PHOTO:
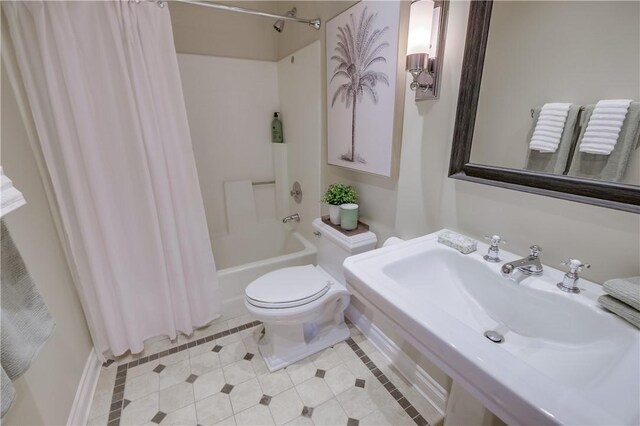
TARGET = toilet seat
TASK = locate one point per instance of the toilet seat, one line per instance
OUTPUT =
(288, 288)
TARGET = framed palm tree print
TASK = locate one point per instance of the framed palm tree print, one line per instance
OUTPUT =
(362, 54)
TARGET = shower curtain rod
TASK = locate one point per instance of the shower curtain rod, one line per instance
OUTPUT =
(315, 23)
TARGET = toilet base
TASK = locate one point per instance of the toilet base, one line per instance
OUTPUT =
(327, 337)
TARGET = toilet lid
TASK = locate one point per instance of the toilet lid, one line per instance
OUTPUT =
(288, 287)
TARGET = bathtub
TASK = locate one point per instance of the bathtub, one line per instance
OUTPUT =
(243, 257)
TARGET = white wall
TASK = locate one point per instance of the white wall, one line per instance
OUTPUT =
(299, 84)
(230, 104)
(47, 390)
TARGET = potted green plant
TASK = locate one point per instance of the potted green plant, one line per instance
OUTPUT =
(337, 194)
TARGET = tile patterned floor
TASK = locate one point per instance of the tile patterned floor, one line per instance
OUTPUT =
(217, 377)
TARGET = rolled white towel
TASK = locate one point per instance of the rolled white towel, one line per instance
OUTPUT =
(549, 127)
(603, 128)
(553, 119)
(547, 133)
(607, 120)
(612, 110)
(557, 106)
(615, 103)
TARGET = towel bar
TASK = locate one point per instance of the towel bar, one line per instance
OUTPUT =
(267, 182)
(532, 110)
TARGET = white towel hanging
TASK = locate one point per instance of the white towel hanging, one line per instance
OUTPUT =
(603, 128)
(549, 127)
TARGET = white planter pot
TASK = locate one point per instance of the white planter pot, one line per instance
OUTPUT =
(334, 214)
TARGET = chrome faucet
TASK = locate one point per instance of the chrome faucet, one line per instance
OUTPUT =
(529, 265)
(292, 218)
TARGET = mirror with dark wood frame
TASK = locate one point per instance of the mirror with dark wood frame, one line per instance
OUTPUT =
(538, 79)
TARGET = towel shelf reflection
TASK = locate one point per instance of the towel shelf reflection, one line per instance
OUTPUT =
(266, 182)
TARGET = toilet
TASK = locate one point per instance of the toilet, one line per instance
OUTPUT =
(302, 307)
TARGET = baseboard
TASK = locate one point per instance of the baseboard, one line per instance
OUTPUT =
(416, 375)
(79, 414)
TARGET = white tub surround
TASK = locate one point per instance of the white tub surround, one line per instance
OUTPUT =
(564, 360)
(230, 131)
(299, 95)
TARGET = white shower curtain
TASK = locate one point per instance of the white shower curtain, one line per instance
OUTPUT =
(103, 85)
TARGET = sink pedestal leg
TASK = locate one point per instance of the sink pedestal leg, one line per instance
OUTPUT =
(464, 409)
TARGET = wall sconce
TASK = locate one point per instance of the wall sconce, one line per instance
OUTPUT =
(425, 47)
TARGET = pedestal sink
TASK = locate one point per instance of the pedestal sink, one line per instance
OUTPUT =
(564, 359)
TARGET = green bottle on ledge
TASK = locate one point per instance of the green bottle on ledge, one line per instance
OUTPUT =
(276, 129)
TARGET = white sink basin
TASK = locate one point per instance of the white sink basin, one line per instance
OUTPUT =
(564, 359)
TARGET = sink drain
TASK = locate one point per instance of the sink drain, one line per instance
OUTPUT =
(494, 336)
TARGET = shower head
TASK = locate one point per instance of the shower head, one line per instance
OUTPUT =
(279, 25)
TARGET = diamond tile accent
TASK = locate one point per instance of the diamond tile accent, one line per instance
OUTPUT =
(353, 422)
(217, 348)
(248, 356)
(227, 388)
(159, 368)
(126, 402)
(265, 400)
(192, 378)
(158, 417)
(307, 411)
(320, 373)
(360, 383)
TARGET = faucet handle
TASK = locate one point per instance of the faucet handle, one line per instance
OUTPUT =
(493, 254)
(569, 282)
(535, 250)
(575, 265)
(496, 240)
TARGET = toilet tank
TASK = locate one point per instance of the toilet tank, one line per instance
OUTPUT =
(334, 247)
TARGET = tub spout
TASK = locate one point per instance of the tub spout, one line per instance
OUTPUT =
(292, 218)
